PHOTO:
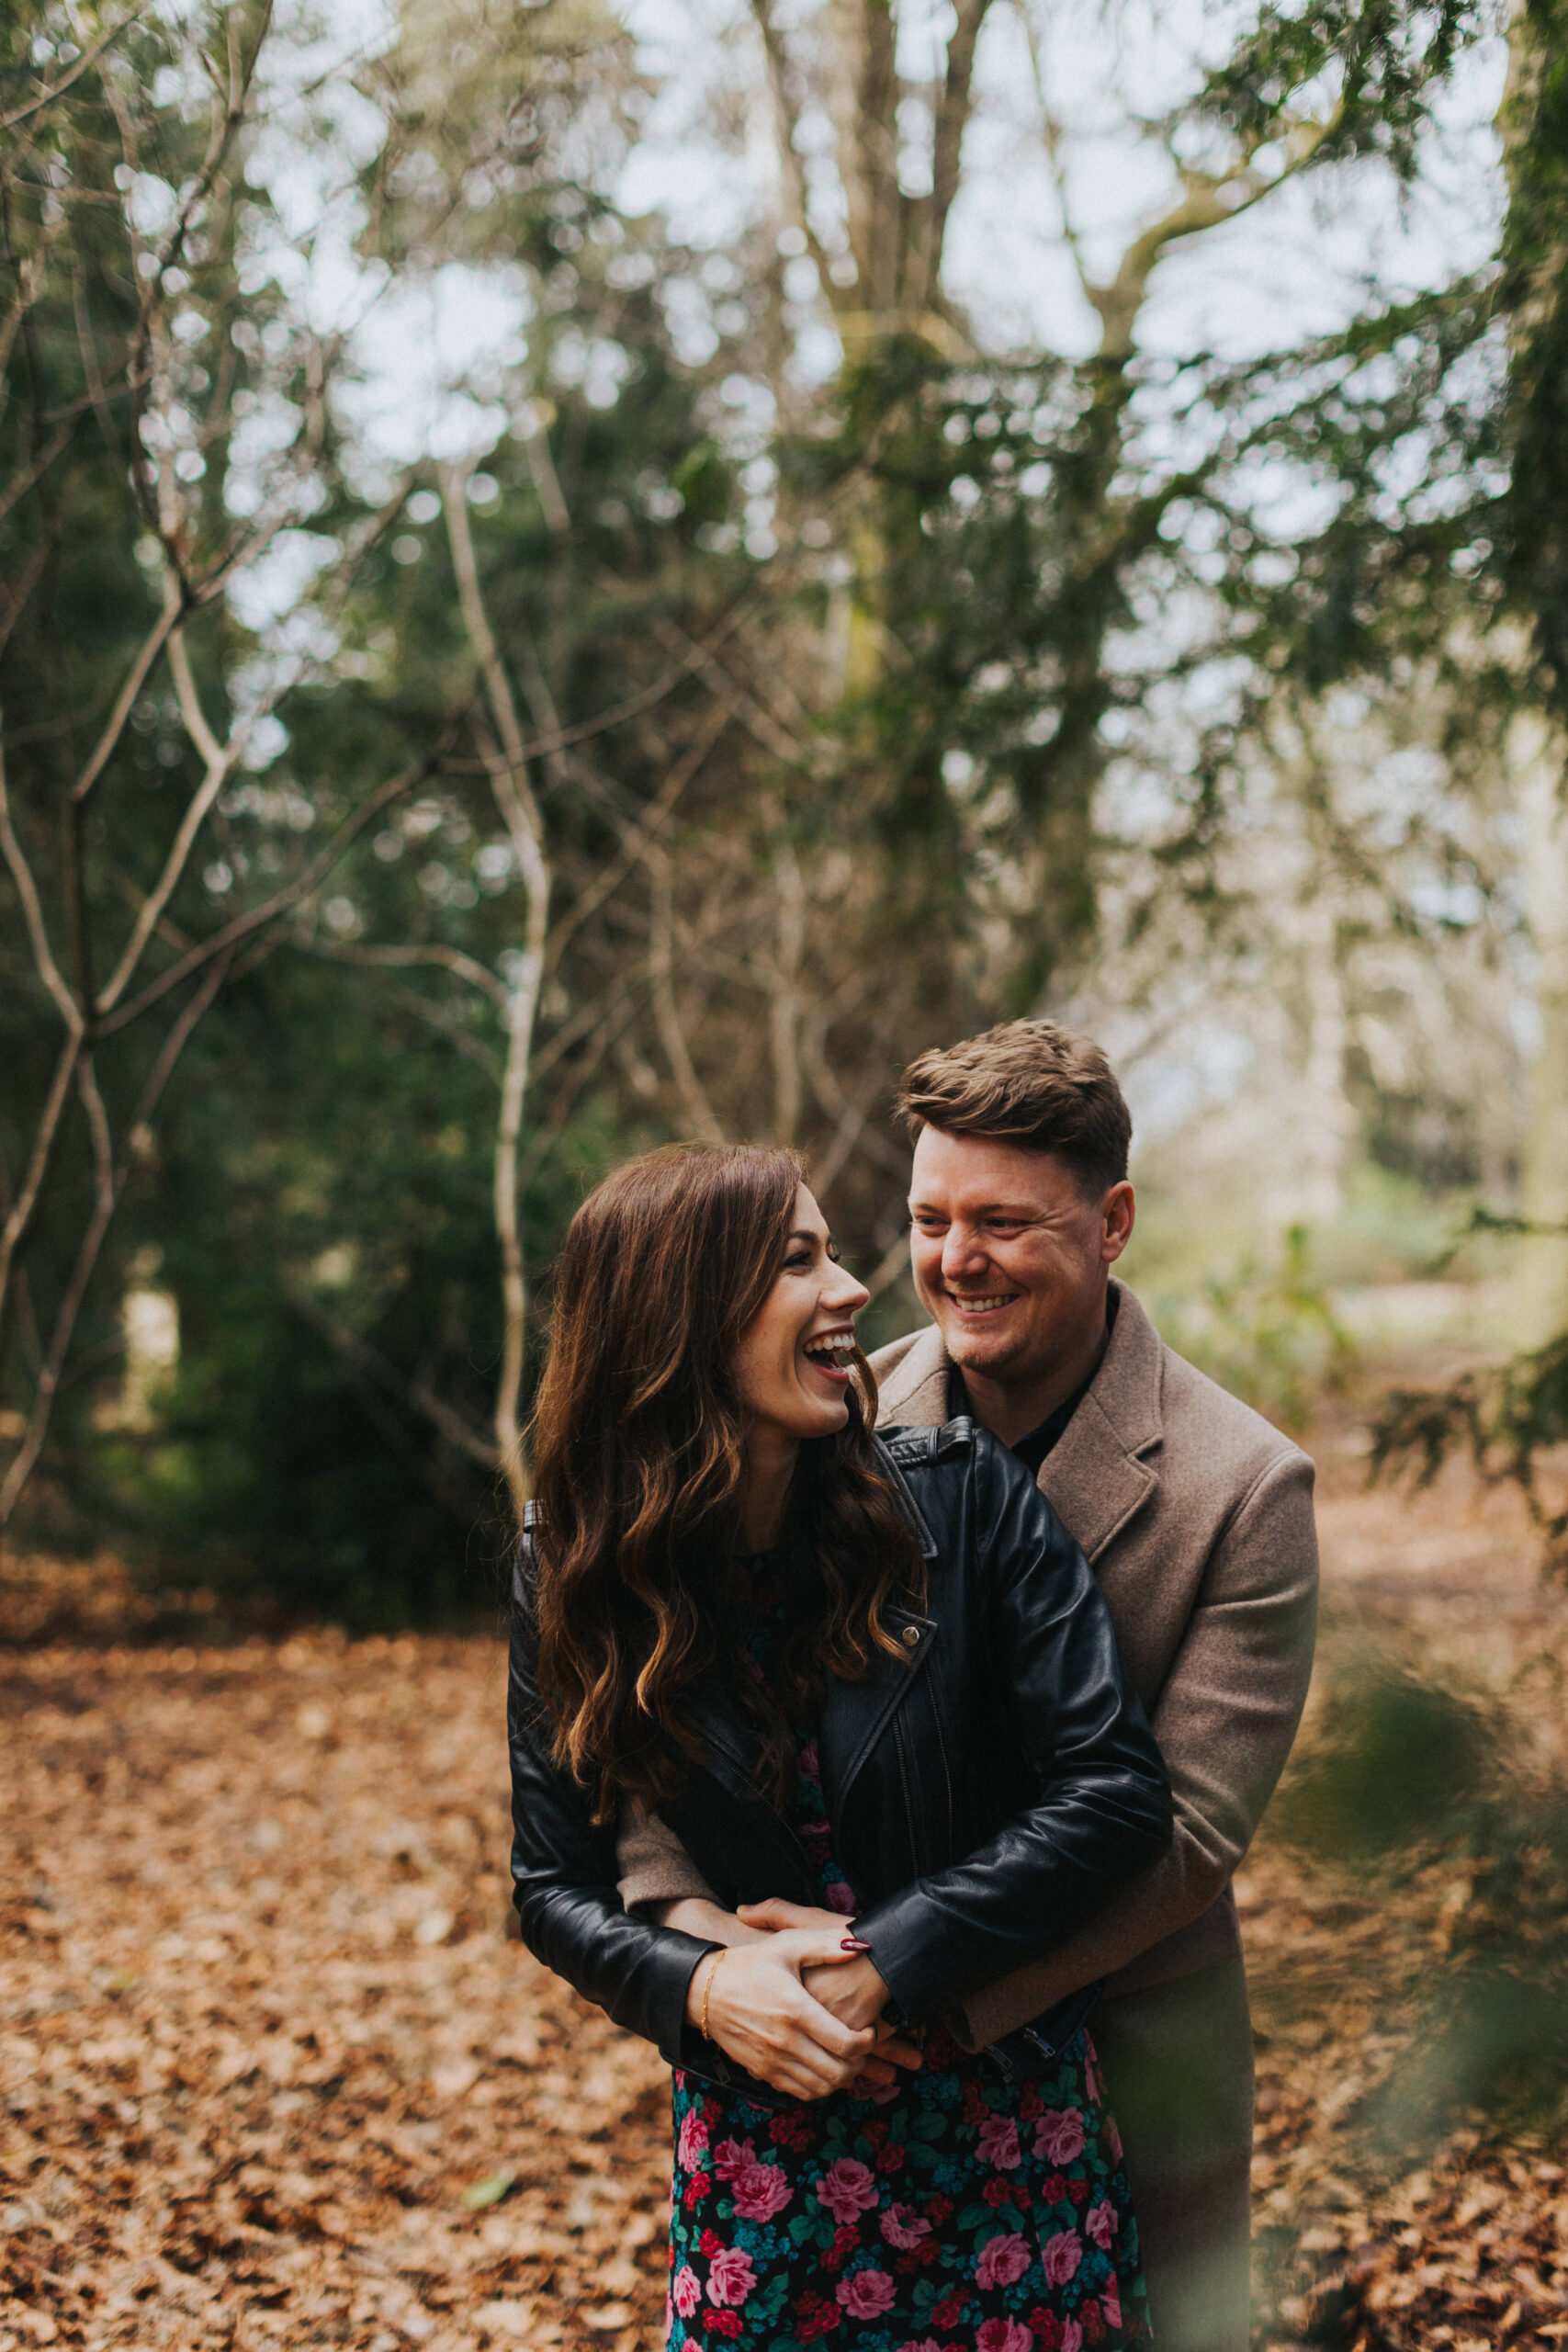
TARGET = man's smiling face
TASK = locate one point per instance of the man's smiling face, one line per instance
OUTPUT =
(1011, 1255)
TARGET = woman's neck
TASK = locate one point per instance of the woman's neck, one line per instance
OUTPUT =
(770, 1465)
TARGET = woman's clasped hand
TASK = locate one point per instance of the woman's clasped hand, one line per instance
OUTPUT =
(804, 2042)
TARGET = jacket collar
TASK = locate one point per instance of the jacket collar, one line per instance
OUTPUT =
(1099, 1472)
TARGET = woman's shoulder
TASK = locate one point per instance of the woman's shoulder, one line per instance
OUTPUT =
(957, 1464)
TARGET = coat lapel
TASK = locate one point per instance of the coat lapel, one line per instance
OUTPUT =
(1098, 1474)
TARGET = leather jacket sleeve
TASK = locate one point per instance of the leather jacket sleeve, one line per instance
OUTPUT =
(563, 1872)
(1101, 1810)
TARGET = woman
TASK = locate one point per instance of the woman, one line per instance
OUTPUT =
(869, 1675)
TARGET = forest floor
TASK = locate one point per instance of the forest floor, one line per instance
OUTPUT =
(273, 2072)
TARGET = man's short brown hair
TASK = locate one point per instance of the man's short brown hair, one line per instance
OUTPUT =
(1029, 1082)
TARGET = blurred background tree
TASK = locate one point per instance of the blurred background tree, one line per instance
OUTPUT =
(552, 603)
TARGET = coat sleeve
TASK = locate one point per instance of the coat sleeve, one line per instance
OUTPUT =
(651, 1864)
(1224, 1719)
(563, 1875)
(1100, 1810)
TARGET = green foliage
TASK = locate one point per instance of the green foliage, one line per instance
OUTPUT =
(1508, 1418)
(1532, 542)
(1393, 1769)
(1271, 1337)
(1380, 62)
(1414, 1773)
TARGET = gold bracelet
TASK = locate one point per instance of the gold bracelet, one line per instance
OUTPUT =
(707, 1989)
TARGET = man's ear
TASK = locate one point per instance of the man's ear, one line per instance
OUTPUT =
(1117, 1213)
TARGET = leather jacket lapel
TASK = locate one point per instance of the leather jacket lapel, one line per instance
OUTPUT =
(855, 1714)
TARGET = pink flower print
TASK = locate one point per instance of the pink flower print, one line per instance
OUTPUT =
(732, 2156)
(1072, 2337)
(838, 1896)
(866, 2294)
(848, 2189)
(1003, 2260)
(810, 1763)
(692, 2145)
(1110, 2301)
(1061, 2135)
(730, 2275)
(1091, 2076)
(875, 2094)
(1062, 2255)
(1114, 2139)
(760, 2191)
(999, 2143)
(903, 2227)
(1004, 2335)
(1100, 2223)
(686, 2291)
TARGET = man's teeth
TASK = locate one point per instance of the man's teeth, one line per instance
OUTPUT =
(980, 1306)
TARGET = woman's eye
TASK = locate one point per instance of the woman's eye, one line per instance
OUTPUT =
(798, 1263)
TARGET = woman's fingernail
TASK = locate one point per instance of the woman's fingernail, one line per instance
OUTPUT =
(854, 1943)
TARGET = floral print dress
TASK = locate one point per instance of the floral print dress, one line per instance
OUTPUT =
(953, 2212)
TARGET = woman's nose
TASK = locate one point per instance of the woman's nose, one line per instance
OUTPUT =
(846, 1296)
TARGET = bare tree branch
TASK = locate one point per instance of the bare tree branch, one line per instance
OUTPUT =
(110, 1186)
(358, 1351)
(783, 990)
(515, 798)
(83, 65)
(220, 759)
(922, 271)
(788, 125)
(463, 967)
(32, 911)
(636, 838)
(243, 926)
(699, 1111)
(151, 646)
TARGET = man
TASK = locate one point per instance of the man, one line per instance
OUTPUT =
(1196, 1516)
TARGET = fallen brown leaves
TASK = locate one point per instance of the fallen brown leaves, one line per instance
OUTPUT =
(272, 2073)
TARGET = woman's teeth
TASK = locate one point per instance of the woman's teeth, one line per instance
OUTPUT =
(839, 1352)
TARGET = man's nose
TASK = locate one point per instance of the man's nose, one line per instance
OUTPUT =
(961, 1252)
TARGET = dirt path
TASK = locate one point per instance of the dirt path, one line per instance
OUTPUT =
(273, 2073)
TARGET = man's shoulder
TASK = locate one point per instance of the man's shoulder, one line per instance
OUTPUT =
(912, 1379)
(886, 1361)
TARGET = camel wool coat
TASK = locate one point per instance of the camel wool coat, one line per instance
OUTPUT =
(1196, 1516)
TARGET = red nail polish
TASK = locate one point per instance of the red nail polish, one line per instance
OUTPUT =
(853, 1944)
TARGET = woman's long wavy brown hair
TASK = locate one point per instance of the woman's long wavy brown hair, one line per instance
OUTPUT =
(639, 1463)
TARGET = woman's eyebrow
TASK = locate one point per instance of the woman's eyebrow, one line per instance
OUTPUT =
(801, 1234)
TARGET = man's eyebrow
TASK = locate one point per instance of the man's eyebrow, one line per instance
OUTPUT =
(987, 1208)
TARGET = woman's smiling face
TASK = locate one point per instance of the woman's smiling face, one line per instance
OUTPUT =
(793, 1361)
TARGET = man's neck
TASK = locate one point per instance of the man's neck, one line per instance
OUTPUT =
(1011, 1407)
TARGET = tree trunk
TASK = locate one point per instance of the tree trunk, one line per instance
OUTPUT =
(1536, 755)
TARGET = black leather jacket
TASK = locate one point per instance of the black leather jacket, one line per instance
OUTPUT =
(987, 1788)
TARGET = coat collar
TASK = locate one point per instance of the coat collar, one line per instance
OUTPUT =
(1097, 1474)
